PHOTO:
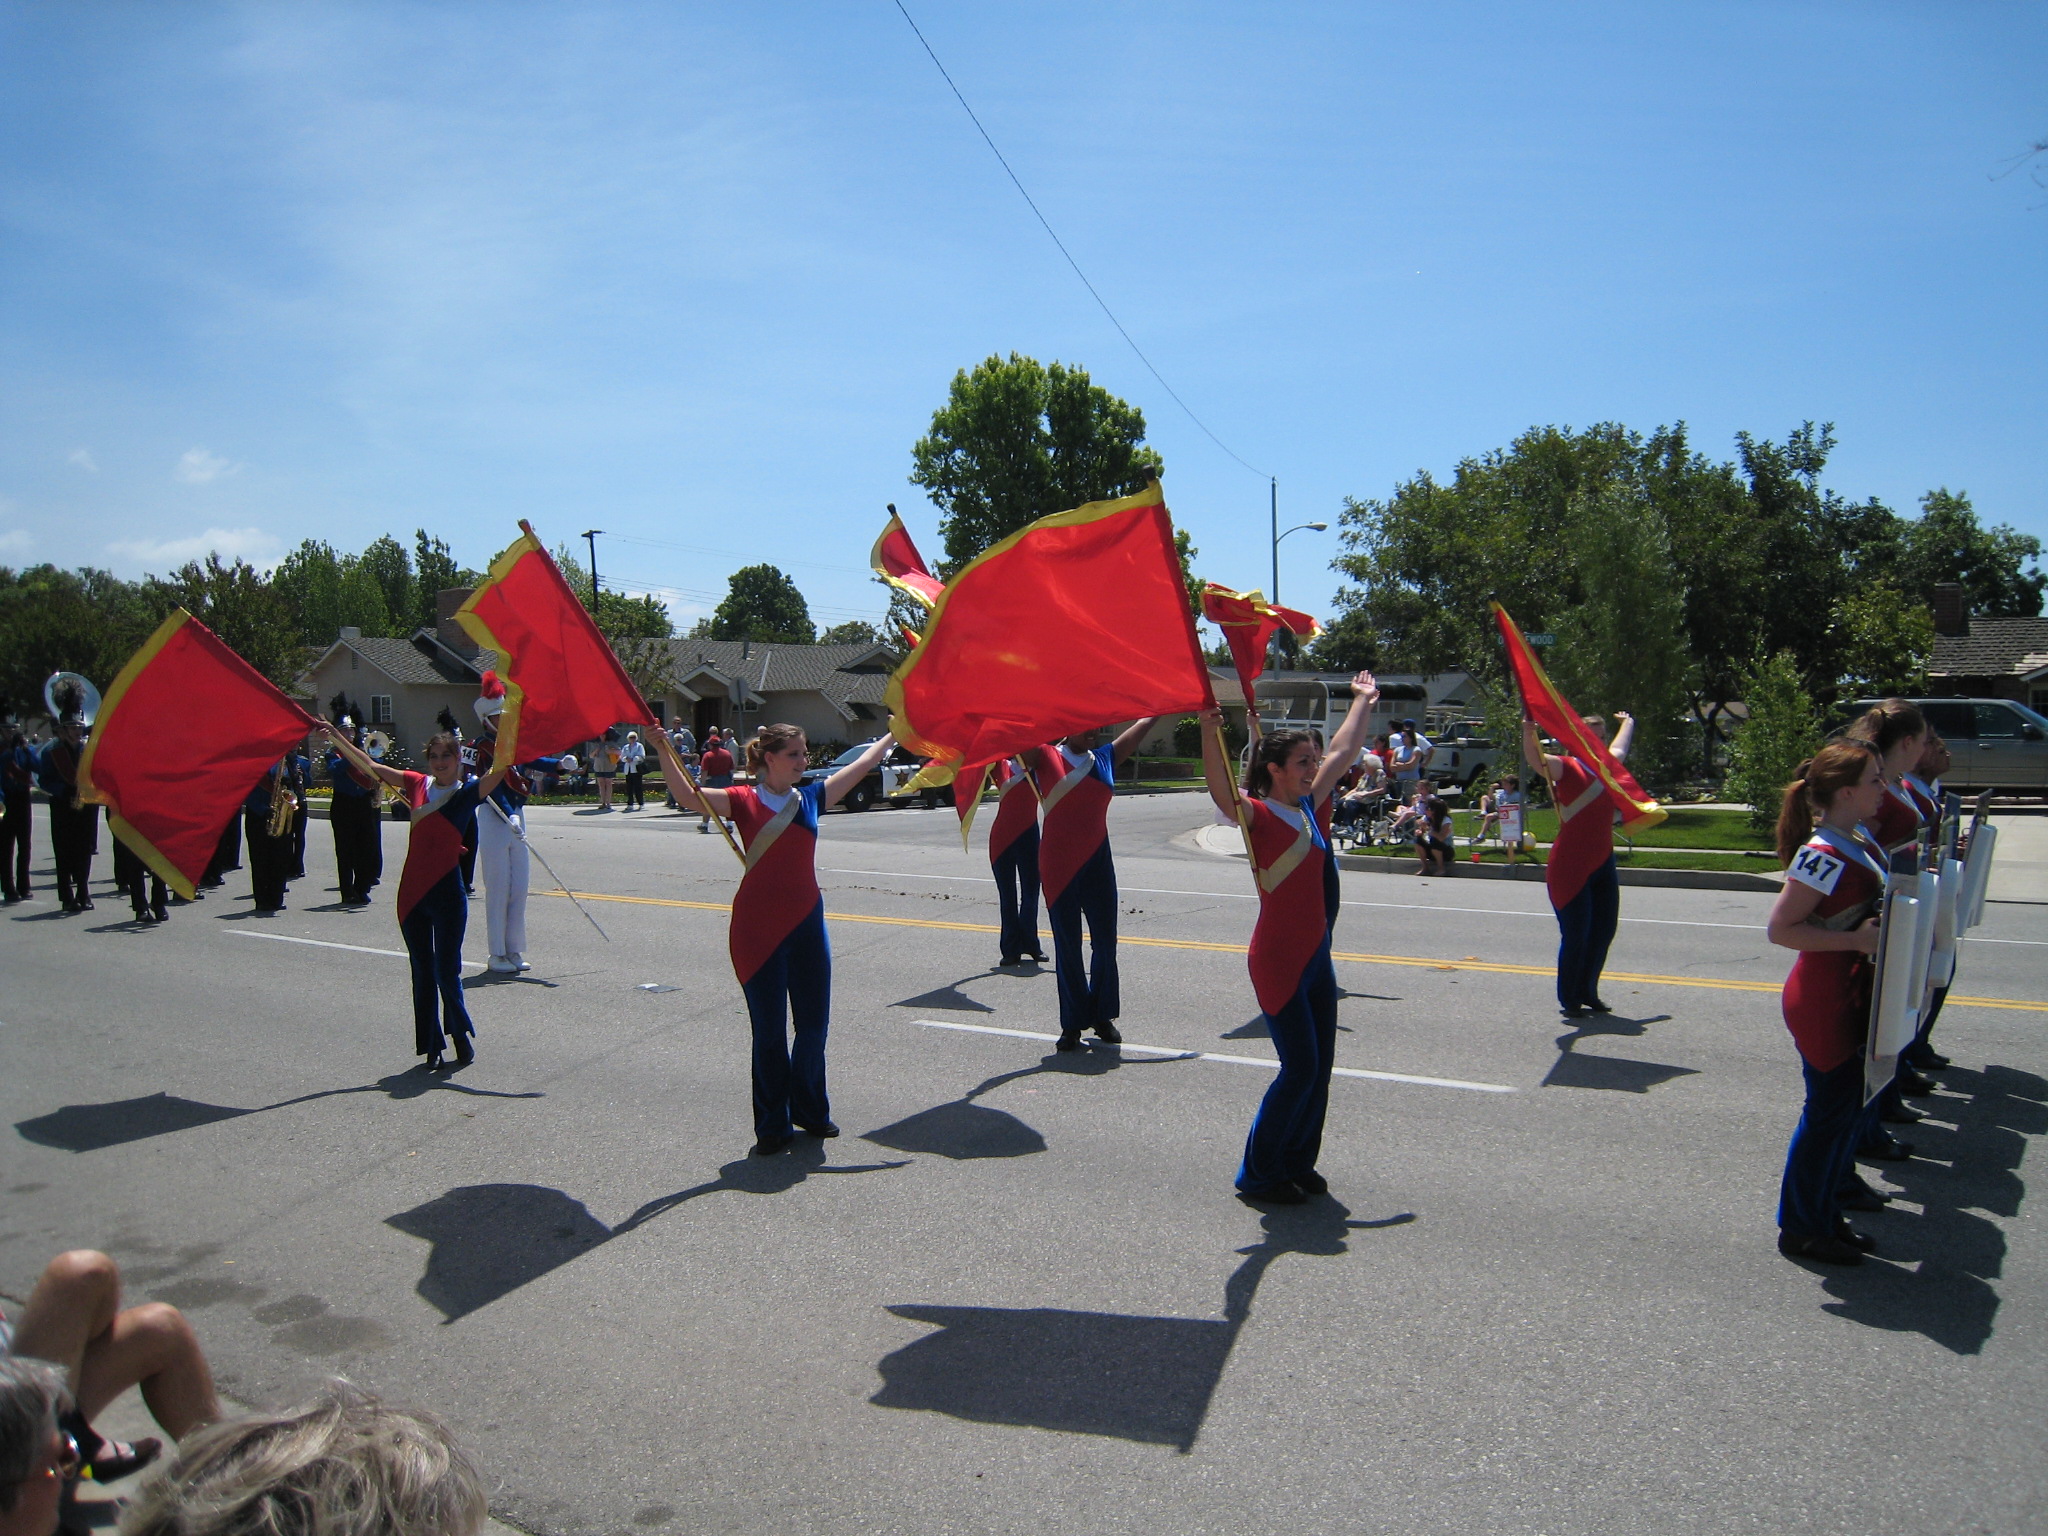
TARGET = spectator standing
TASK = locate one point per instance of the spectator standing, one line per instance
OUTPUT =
(685, 745)
(603, 761)
(716, 767)
(633, 762)
(1411, 755)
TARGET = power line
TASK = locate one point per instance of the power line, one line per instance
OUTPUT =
(1056, 240)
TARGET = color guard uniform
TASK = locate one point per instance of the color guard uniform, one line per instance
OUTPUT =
(1584, 890)
(1013, 856)
(433, 910)
(1827, 1009)
(1297, 991)
(1079, 880)
(782, 957)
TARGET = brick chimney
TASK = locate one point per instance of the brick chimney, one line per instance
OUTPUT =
(446, 630)
(1951, 609)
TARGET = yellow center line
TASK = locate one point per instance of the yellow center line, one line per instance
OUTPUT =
(1424, 961)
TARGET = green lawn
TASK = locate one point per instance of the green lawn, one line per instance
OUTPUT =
(1685, 829)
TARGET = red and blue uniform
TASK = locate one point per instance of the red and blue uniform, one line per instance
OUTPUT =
(782, 957)
(1898, 820)
(1827, 1009)
(433, 907)
(1584, 889)
(1079, 880)
(1013, 856)
(1296, 988)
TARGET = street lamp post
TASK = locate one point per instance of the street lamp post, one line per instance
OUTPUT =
(591, 534)
(1277, 537)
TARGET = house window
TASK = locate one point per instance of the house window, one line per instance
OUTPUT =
(2039, 701)
(380, 709)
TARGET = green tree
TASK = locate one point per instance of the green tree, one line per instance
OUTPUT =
(86, 621)
(1947, 543)
(386, 563)
(1782, 730)
(434, 572)
(1623, 645)
(1346, 643)
(1884, 641)
(618, 617)
(763, 604)
(1017, 440)
(238, 603)
(852, 632)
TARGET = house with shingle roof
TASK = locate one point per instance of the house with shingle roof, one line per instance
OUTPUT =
(1983, 658)
(402, 685)
(834, 692)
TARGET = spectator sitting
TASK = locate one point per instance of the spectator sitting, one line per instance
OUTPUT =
(343, 1464)
(1433, 837)
(1489, 812)
(75, 1321)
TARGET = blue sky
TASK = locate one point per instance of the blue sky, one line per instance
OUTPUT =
(698, 275)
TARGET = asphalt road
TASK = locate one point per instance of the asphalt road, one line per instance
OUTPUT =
(1018, 1295)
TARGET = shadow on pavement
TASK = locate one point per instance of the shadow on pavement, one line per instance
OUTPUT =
(488, 1240)
(1615, 1073)
(1953, 1175)
(1130, 1377)
(950, 998)
(89, 1127)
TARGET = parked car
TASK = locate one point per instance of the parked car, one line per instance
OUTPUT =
(884, 783)
(1995, 743)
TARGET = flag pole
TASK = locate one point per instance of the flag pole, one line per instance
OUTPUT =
(671, 761)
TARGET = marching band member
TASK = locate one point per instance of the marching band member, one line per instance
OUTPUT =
(501, 842)
(1078, 876)
(1834, 876)
(143, 886)
(17, 777)
(270, 857)
(1287, 787)
(352, 816)
(433, 910)
(779, 949)
(1013, 856)
(74, 828)
(1585, 891)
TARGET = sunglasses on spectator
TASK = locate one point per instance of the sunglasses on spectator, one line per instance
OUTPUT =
(64, 1464)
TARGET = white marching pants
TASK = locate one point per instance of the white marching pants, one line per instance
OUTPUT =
(502, 861)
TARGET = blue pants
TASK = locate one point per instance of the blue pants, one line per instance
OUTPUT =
(1585, 926)
(1288, 1133)
(794, 983)
(1016, 871)
(1820, 1160)
(1088, 994)
(433, 932)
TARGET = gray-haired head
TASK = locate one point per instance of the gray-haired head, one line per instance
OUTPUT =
(32, 1394)
(343, 1464)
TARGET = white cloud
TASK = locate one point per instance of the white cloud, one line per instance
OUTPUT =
(196, 466)
(84, 460)
(251, 544)
(15, 541)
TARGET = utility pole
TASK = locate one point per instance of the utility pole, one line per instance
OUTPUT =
(1274, 506)
(591, 534)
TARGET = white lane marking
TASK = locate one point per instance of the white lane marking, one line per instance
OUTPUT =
(1235, 1061)
(1971, 938)
(359, 949)
(1392, 906)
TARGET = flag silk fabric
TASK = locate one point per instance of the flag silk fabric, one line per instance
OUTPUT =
(1554, 714)
(1079, 620)
(184, 734)
(1248, 622)
(896, 560)
(563, 685)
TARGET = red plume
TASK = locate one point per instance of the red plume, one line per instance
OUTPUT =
(493, 686)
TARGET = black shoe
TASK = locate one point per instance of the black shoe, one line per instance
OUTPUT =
(434, 1062)
(1596, 1006)
(1574, 1012)
(1009, 960)
(465, 1053)
(1286, 1192)
(825, 1130)
(144, 915)
(162, 914)
(1044, 959)
(1927, 1059)
(1822, 1250)
(1859, 1196)
(1884, 1147)
(1852, 1237)
(1915, 1084)
(1108, 1034)
(768, 1146)
(1312, 1183)
(1900, 1114)
(1068, 1042)
(85, 904)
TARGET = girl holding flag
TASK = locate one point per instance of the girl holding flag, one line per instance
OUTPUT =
(1287, 789)
(1013, 857)
(1834, 876)
(778, 943)
(433, 911)
(1584, 889)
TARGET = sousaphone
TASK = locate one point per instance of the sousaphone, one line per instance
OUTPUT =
(70, 696)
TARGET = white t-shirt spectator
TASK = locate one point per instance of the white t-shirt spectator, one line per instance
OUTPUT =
(1410, 757)
(632, 757)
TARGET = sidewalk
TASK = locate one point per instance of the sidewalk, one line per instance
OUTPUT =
(2019, 873)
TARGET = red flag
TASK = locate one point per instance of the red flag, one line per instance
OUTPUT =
(1078, 620)
(1248, 621)
(182, 737)
(563, 685)
(896, 561)
(1554, 713)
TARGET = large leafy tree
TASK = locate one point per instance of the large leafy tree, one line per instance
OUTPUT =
(1016, 440)
(85, 621)
(761, 603)
(1782, 730)
(1947, 543)
(238, 603)
(618, 617)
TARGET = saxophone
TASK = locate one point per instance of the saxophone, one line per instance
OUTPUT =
(284, 805)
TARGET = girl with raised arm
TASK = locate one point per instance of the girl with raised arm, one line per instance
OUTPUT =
(433, 911)
(1286, 787)
(779, 949)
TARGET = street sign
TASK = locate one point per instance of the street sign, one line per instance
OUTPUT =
(1541, 640)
